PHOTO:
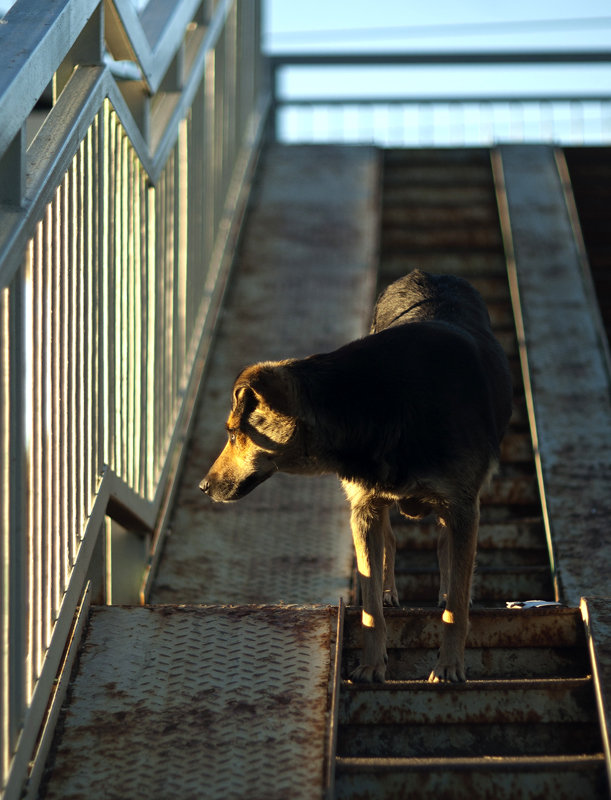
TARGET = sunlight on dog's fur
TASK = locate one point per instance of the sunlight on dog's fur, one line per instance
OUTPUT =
(412, 414)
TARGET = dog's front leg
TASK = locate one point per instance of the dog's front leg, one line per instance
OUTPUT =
(368, 535)
(390, 595)
(462, 526)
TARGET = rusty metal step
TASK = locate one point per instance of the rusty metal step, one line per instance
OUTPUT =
(521, 532)
(516, 448)
(491, 587)
(451, 239)
(548, 700)
(534, 627)
(459, 740)
(504, 778)
(448, 215)
(536, 643)
(486, 663)
(512, 487)
(491, 558)
(415, 171)
(432, 155)
(467, 263)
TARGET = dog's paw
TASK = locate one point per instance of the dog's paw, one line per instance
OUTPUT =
(368, 673)
(391, 598)
(448, 671)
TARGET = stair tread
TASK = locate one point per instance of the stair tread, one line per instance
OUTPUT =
(356, 763)
(478, 685)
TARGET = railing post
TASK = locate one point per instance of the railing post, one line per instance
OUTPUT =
(12, 171)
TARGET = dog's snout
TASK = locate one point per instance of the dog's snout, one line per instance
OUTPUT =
(205, 486)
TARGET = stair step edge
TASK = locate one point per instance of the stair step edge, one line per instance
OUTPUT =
(489, 763)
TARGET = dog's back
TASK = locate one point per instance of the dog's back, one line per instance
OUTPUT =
(421, 297)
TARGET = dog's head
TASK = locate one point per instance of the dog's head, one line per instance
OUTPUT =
(260, 430)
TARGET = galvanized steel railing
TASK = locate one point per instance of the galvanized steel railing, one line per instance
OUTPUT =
(422, 116)
(118, 196)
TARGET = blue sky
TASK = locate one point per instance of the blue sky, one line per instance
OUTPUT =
(543, 24)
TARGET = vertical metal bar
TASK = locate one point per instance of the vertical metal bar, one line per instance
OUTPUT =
(167, 266)
(63, 269)
(219, 136)
(72, 222)
(99, 185)
(88, 393)
(152, 352)
(122, 324)
(15, 597)
(32, 426)
(209, 210)
(182, 247)
(121, 306)
(139, 313)
(229, 95)
(80, 375)
(5, 532)
(160, 345)
(144, 398)
(129, 321)
(39, 444)
(108, 306)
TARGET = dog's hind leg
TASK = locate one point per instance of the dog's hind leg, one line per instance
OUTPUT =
(390, 596)
(462, 524)
(367, 523)
(443, 559)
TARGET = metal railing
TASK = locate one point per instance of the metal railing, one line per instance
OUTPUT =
(119, 197)
(417, 115)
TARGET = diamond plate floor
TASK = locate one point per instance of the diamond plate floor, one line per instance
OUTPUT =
(304, 282)
(196, 702)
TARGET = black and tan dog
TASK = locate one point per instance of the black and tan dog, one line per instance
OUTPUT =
(411, 414)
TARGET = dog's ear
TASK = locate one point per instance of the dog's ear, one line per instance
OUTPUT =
(244, 398)
(268, 384)
(272, 386)
(262, 404)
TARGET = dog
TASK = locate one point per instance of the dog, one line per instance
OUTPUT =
(412, 414)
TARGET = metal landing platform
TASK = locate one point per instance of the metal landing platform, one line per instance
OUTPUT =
(193, 702)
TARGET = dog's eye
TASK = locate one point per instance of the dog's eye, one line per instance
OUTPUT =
(232, 438)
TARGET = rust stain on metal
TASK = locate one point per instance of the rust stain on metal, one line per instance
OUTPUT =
(248, 686)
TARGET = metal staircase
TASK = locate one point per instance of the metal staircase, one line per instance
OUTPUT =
(526, 723)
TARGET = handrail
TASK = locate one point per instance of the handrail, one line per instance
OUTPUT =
(481, 114)
(119, 201)
(441, 58)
